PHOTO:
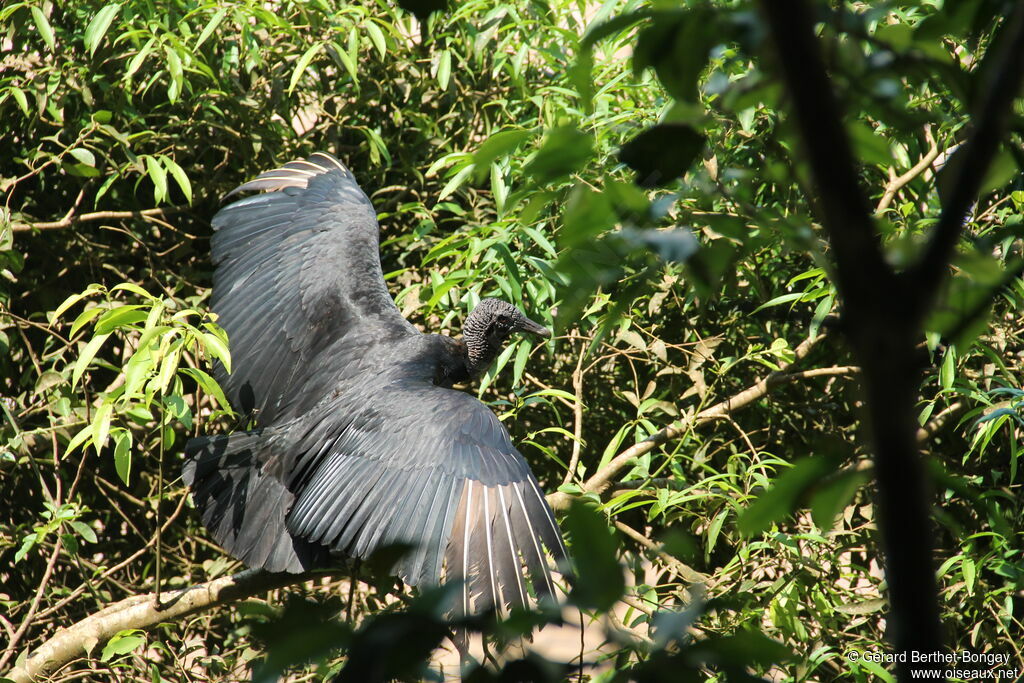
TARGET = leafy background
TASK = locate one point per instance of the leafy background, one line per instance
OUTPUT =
(628, 173)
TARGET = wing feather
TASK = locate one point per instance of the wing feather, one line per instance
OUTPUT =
(298, 272)
(431, 467)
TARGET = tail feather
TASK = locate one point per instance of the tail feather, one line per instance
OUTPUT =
(244, 508)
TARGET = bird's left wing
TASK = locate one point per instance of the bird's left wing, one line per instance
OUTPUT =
(433, 468)
(298, 287)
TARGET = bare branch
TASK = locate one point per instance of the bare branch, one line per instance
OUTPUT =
(897, 183)
(140, 611)
(685, 571)
(71, 219)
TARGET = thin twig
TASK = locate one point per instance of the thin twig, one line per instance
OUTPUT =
(71, 219)
(684, 570)
(12, 646)
(577, 414)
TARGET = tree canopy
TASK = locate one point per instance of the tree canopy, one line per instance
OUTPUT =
(778, 244)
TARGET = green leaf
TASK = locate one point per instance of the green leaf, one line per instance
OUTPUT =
(84, 435)
(179, 177)
(662, 153)
(522, 356)
(175, 69)
(444, 69)
(140, 57)
(122, 316)
(742, 649)
(871, 147)
(303, 63)
(98, 27)
(346, 61)
(211, 26)
(1001, 171)
(876, 669)
(499, 145)
(85, 357)
(498, 189)
(83, 155)
(587, 214)
(83, 319)
(677, 45)
(123, 454)
(947, 373)
(216, 347)
(713, 530)
(158, 175)
(134, 289)
(137, 369)
(44, 28)
(169, 366)
(781, 499)
(834, 495)
(455, 182)
(899, 36)
(600, 30)
(122, 643)
(377, 38)
(19, 97)
(27, 544)
(564, 151)
(74, 299)
(599, 579)
(208, 384)
(967, 567)
(101, 425)
(83, 530)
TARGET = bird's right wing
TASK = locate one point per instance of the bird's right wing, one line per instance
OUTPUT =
(298, 287)
(436, 469)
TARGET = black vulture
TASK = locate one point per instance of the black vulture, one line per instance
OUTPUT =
(359, 441)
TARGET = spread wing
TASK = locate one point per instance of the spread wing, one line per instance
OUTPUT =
(299, 287)
(433, 468)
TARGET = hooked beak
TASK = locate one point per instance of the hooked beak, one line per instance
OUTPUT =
(528, 325)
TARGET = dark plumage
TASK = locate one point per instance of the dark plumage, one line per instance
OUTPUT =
(360, 441)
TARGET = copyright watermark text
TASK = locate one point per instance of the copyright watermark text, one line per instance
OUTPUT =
(962, 664)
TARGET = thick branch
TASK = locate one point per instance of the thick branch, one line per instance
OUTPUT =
(140, 611)
(882, 321)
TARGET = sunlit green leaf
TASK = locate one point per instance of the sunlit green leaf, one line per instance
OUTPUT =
(99, 26)
(43, 26)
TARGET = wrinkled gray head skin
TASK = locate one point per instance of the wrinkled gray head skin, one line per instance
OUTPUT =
(489, 326)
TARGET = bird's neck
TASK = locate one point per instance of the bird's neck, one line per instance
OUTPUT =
(479, 354)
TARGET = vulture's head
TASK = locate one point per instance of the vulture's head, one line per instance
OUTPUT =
(494, 321)
(489, 326)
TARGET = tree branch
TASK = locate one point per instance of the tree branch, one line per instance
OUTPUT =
(70, 219)
(897, 183)
(602, 479)
(140, 611)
